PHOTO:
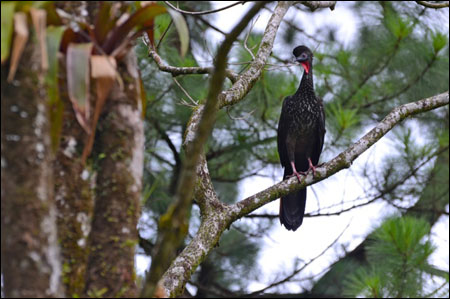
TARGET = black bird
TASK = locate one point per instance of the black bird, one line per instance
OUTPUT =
(301, 132)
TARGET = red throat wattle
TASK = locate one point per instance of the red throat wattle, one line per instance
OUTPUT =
(305, 66)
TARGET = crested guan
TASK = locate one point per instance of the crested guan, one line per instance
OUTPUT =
(301, 132)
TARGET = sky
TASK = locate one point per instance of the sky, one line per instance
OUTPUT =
(283, 247)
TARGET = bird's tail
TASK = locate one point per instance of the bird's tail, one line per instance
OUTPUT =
(292, 208)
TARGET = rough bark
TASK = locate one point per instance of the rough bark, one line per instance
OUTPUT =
(73, 197)
(31, 265)
(216, 216)
(119, 142)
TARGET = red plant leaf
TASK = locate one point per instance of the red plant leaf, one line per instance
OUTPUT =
(104, 22)
(136, 21)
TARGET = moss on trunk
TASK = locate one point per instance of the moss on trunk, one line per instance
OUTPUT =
(73, 196)
(119, 143)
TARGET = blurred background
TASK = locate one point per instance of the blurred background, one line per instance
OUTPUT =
(378, 229)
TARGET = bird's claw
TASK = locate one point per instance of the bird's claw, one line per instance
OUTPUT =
(297, 174)
(311, 167)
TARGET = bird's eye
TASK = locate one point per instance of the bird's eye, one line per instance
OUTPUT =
(303, 56)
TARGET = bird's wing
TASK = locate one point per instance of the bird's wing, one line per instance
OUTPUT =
(320, 134)
(283, 128)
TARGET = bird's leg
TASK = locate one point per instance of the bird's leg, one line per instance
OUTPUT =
(311, 167)
(296, 173)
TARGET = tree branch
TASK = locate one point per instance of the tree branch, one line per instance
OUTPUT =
(214, 213)
(174, 224)
(344, 159)
(196, 13)
(433, 5)
(313, 5)
(220, 216)
(296, 271)
(177, 71)
(245, 82)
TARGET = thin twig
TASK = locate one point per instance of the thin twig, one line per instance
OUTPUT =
(177, 71)
(185, 92)
(205, 12)
(433, 5)
(248, 114)
(246, 38)
(295, 272)
(164, 34)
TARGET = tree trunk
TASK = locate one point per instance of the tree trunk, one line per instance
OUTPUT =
(120, 142)
(31, 265)
(73, 197)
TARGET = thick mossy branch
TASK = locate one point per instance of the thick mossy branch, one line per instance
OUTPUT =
(216, 220)
(344, 159)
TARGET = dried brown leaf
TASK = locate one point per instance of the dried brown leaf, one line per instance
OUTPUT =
(103, 70)
(39, 19)
(20, 39)
(103, 66)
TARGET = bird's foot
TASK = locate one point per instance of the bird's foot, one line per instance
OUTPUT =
(311, 167)
(297, 174)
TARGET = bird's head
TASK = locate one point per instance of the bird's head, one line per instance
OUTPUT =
(304, 56)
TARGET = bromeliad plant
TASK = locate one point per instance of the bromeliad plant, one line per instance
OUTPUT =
(91, 51)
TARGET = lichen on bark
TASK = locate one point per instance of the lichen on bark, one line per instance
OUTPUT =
(73, 195)
(120, 141)
(31, 264)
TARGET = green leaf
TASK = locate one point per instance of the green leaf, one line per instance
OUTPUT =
(183, 31)
(7, 28)
(161, 24)
(399, 27)
(343, 57)
(54, 36)
(439, 41)
(78, 79)
(345, 118)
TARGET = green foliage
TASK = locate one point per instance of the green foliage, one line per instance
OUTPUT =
(396, 58)
(398, 258)
(7, 28)
(343, 58)
(341, 119)
(439, 41)
(397, 25)
(54, 35)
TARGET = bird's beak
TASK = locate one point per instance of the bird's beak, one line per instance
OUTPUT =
(303, 62)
